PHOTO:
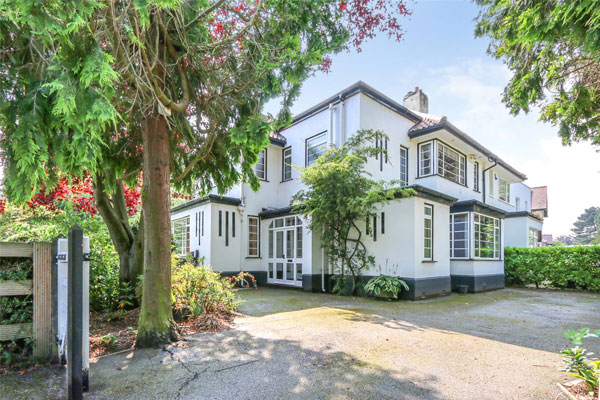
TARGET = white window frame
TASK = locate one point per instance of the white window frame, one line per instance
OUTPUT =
(496, 238)
(260, 169)
(503, 195)
(423, 169)
(428, 232)
(403, 166)
(444, 152)
(476, 176)
(533, 238)
(182, 240)
(253, 244)
(286, 164)
(467, 236)
(318, 142)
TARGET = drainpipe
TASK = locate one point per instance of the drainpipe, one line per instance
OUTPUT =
(490, 159)
(342, 121)
(330, 133)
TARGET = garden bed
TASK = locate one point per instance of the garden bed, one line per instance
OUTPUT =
(577, 390)
(112, 333)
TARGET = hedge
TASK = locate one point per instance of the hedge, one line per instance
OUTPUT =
(560, 267)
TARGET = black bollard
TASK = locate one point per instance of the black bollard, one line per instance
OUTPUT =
(75, 311)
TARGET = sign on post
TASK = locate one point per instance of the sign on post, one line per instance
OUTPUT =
(73, 309)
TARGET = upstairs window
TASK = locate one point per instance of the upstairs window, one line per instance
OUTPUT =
(286, 160)
(180, 229)
(504, 190)
(403, 166)
(476, 176)
(261, 166)
(451, 164)
(315, 146)
(425, 159)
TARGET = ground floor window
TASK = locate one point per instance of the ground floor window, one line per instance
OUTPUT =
(486, 236)
(428, 233)
(253, 237)
(459, 235)
(180, 229)
(533, 237)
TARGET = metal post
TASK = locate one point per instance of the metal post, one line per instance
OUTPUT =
(75, 314)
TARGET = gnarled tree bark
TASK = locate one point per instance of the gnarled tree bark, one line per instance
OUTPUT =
(128, 241)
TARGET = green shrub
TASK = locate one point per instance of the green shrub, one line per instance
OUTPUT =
(386, 284)
(40, 225)
(578, 362)
(198, 290)
(560, 267)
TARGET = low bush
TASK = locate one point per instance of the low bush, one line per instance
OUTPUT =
(578, 361)
(386, 284)
(198, 290)
(559, 267)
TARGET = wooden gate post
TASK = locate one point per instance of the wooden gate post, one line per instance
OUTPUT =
(42, 304)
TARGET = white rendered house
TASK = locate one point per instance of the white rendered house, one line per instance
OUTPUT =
(451, 233)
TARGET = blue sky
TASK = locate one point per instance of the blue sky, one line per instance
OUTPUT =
(440, 55)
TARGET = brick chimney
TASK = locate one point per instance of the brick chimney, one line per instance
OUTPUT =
(417, 100)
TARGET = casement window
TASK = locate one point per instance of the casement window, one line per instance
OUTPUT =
(533, 237)
(382, 223)
(450, 163)
(286, 164)
(181, 235)
(232, 224)
(425, 159)
(315, 146)
(459, 235)
(518, 203)
(428, 233)
(226, 228)
(403, 166)
(220, 223)
(486, 232)
(382, 145)
(202, 224)
(253, 237)
(374, 227)
(476, 176)
(260, 169)
(503, 190)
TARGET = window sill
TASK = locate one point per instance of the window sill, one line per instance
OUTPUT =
(254, 257)
(505, 202)
(287, 180)
(428, 261)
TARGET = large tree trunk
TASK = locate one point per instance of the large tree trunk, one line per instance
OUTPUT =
(127, 241)
(156, 325)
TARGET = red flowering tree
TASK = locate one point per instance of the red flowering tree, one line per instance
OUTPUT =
(168, 87)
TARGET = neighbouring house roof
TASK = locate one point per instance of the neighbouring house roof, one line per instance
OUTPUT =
(539, 199)
(477, 206)
(211, 198)
(517, 214)
(431, 123)
(548, 239)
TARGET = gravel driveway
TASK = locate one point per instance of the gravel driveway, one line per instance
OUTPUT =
(296, 345)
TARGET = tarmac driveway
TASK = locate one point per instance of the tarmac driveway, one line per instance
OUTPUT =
(296, 345)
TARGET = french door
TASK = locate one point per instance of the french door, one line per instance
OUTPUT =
(285, 251)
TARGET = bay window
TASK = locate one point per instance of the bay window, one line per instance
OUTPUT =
(180, 229)
(425, 159)
(459, 235)
(486, 236)
(451, 164)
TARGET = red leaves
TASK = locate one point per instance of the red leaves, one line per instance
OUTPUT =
(2, 206)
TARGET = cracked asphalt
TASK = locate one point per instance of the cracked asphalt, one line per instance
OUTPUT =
(296, 345)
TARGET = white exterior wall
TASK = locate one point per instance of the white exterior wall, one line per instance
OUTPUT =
(523, 192)
(517, 230)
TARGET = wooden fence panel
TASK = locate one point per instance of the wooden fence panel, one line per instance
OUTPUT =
(15, 331)
(16, 250)
(42, 300)
(15, 288)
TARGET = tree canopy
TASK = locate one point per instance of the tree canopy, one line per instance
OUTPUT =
(553, 51)
(585, 229)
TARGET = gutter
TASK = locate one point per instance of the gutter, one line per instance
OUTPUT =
(495, 161)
